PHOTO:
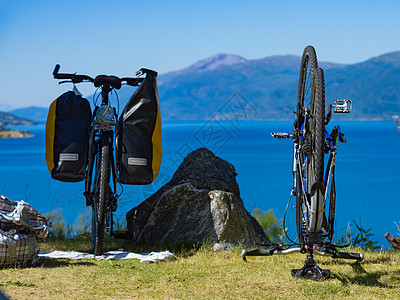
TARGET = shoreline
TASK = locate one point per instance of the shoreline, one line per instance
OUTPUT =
(15, 134)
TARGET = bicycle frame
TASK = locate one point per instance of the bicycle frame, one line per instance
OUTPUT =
(301, 166)
(329, 181)
(103, 131)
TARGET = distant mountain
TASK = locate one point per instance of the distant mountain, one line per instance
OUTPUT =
(373, 86)
(215, 62)
(269, 85)
(33, 112)
(203, 89)
(207, 88)
(7, 119)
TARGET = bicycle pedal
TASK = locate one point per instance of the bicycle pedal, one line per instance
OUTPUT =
(281, 135)
(342, 106)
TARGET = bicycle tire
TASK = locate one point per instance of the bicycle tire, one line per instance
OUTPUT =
(318, 200)
(319, 125)
(100, 199)
(310, 127)
(308, 66)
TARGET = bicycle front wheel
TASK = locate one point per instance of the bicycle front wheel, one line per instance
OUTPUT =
(310, 127)
(101, 196)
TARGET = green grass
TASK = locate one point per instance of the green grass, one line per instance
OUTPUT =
(200, 273)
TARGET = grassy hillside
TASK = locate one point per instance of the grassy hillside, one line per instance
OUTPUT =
(7, 119)
(7, 134)
(202, 274)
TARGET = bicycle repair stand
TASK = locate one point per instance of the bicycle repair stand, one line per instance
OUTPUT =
(310, 270)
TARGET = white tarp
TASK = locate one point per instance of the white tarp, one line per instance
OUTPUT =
(148, 257)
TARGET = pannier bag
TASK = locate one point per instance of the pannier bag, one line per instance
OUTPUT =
(139, 142)
(67, 135)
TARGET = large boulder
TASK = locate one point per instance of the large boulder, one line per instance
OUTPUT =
(201, 202)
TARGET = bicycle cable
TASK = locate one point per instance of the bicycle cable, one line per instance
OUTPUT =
(116, 96)
(105, 112)
(284, 219)
(122, 190)
(95, 99)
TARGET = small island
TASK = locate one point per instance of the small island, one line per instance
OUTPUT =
(9, 119)
(14, 134)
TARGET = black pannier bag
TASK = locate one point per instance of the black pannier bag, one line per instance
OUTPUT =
(139, 142)
(67, 134)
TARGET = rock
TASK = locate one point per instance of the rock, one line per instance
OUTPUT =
(201, 203)
(223, 246)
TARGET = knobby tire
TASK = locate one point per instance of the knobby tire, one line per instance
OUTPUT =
(103, 194)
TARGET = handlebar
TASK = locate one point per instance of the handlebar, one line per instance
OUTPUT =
(56, 69)
(75, 78)
(101, 80)
(324, 252)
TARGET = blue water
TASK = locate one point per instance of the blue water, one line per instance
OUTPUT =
(367, 177)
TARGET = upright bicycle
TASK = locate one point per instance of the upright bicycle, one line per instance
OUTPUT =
(313, 182)
(101, 174)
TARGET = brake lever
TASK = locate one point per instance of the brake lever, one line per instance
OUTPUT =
(341, 137)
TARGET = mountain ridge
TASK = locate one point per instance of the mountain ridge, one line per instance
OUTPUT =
(215, 61)
(269, 84)
(7, 119)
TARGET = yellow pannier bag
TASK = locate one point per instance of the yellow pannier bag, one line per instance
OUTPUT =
(67, 134)
(139, 140)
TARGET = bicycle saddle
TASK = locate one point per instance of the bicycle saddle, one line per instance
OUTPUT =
(112, 81)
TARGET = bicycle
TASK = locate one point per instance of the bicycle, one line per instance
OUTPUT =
(313, 188)
(102, 167)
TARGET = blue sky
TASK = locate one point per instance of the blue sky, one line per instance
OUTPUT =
(119, 37)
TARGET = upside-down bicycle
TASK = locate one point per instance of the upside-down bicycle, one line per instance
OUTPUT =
(313, 188)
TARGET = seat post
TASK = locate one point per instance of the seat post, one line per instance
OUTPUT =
(105, 90)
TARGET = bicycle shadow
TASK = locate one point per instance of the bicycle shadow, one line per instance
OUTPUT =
(57, 263)
(338, 261)
(361, 277)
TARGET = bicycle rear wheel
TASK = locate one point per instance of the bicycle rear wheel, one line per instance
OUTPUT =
(101, 196)
(310, 127)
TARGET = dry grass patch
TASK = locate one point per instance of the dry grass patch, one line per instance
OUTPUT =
(204, 274)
